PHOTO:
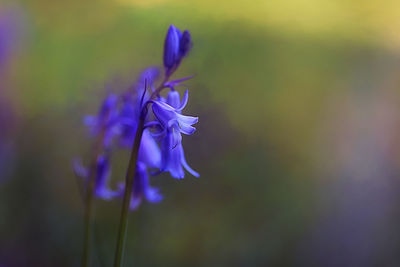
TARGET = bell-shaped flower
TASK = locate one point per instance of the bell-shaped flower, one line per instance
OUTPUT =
(173, 157)
(141, 188)
(172, 124)
(149, 152)
(170, 118)
(103, 173)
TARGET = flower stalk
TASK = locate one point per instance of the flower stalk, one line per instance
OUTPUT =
(89, 208)
(155, 141)
(130, 176)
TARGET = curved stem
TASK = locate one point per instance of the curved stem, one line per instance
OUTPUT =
(130, 176)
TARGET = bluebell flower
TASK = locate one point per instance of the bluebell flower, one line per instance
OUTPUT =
(170, 117)
(103, 173)
(172, 124)
(149, 151)
(173, 158)
(141, 188)
(128, 119)
(149, 75)
(131, 105)
(119, 116)
(106, 121)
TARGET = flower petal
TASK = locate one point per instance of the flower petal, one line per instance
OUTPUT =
(186, 165)
(184, 101)
(149, 152)
(187, 119)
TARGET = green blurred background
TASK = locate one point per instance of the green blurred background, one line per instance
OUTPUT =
(297, 144)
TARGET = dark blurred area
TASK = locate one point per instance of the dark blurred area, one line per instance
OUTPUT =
(297, 143)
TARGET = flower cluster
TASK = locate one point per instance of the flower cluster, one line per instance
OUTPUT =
(117, 122)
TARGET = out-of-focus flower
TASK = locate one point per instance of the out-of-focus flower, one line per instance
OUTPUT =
(106, 121)
(185, 44)
(142, 188)
(149, 76)
(149, 152)
(131, 105)
(103, 173)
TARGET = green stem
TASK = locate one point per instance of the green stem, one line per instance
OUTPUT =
(119, 253)
(130, 176)
(88, 222)
(89, 208)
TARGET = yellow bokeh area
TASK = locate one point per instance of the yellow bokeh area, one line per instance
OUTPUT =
(369, 20)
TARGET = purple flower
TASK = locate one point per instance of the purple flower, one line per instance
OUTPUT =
(106, 121)
(128, 119)
(185, 44)
(150, 75)
(142, 188)
(171, 47)
(170, 117)
(149, 152)
(103, 173)
(176, 47)
(173, 123)
(173, 158)
(119, 118)
(131, 105)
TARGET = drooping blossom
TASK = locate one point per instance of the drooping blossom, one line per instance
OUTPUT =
(106, 121)
(102, 172)
(160, 150)
(170, 118)
(172, 124)
(142, 188)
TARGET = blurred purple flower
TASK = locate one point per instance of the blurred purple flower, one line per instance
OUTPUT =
(142, 188)
(103, 173)
(130, 110)
(185, 44)
(149, 75)
(106, 121)
(149, 152)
